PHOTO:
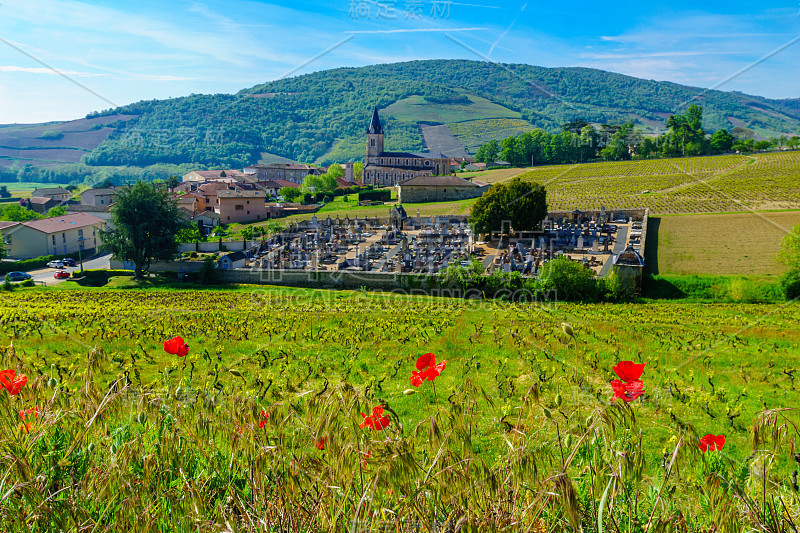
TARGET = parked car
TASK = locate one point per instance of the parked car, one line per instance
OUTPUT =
(18, 276)
(58, 263)
(61, 274)
(68, 262)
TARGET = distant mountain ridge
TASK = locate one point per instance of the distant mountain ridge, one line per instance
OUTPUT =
(321, 117)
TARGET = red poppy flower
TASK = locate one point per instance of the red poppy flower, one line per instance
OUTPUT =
(27, 427)
(426, 360)
(427, 369)
(712, 442)
(176, 346)
(321, 443)
(264, 419)
(366, 456)
(11, 382)
(627, 391)
(629, 371)
(376, 421)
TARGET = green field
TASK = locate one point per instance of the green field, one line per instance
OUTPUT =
(418, 109)
(475, 133)
(517, 433)
(24, 189)
(725, 244)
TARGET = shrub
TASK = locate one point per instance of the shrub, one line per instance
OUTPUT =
(572, 281)
(790, 284)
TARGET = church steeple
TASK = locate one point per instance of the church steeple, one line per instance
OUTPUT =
(375, 124)
(374, 138)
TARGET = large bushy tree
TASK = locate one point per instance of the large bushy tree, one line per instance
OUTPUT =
(523, 204)
(144, 224)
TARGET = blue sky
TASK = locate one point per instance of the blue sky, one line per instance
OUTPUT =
(123, 51)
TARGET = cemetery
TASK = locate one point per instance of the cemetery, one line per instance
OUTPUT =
(427, 245)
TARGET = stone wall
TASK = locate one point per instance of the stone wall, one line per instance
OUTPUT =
(417, 194)
(330, 279)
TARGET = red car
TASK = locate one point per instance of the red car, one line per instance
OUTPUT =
(61, 274)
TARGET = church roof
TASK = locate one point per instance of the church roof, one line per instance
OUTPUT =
(413, 155)
(375, 123)
(437, 181)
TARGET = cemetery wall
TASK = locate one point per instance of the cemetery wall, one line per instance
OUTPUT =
(212, 246)
(331, 279)
(161, 266)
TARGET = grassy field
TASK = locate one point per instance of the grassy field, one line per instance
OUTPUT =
(418, 109)
(517, 432)
(724, 244)
(24, 189)
(475, 133)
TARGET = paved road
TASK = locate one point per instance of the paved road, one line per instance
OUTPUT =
(46, 274)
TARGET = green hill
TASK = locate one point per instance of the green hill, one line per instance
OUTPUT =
(321, 116)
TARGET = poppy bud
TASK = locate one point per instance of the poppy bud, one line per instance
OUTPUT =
(547, 413)
(235, 372)
(567, 328)
(559, 400)
(589, 421)
(142, 418)
(113, 449)
(568, 441)
(90, 447)
(52, 383)
(409, 392)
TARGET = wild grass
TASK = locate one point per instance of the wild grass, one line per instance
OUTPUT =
(516, 434)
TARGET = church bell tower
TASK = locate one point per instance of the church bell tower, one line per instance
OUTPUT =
(374, 137)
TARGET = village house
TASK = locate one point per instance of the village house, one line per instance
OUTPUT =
(56, 193)
(384, 169)
(232, 260)
(273, 187)
(294, 172)
(53, 236)
(102, 197)
(230, 175)
(41, 204)
(237, 205)
(99, 211)
(438, 189)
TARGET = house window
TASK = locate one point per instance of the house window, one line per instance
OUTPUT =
(54, 239)
(406, 162)
(381, 160)
(80, 234)
(240, 208)
(248, 212)
(8, 240)
(427, 163)
(63, 237)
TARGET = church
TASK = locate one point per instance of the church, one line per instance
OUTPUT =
(385, 169)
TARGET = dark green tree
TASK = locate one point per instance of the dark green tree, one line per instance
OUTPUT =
(4, 192)
(488, 153)
(523, 204)
(144, 224)
(721, 141)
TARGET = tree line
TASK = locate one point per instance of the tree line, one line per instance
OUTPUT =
(580, 142)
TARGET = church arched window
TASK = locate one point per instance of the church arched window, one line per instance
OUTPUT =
(372, 142)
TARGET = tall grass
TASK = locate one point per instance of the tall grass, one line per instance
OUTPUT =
(130, 439)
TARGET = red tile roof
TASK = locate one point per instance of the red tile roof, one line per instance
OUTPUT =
(67, 222)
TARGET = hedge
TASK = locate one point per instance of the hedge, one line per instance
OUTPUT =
(33, 264)
(375, 196)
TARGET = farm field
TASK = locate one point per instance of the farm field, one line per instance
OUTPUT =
(724, 244)
(688, 185)
(418, 109)
(259, 426)
(24, 189)
(475, 133)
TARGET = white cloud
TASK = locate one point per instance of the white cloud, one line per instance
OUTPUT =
(44, 70)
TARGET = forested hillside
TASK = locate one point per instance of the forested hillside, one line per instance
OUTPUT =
(321, 116)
